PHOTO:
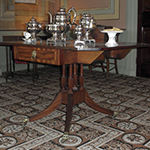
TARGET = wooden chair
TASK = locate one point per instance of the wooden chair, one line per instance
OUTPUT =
(104, 63)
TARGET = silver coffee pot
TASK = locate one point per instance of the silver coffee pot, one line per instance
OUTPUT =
(34, 27)
(63, 20)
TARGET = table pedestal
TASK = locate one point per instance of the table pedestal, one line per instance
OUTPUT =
(71, 95)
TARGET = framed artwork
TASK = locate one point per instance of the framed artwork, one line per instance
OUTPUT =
(26, 1)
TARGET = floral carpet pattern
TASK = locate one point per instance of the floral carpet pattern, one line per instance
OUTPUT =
(90, 130)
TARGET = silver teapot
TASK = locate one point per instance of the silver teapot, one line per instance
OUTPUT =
(34, 28)
(63, 20)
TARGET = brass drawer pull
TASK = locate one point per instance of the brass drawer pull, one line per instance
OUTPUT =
(33, 55)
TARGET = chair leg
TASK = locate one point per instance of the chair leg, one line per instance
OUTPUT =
(115, 63)
(107, 73)
(90, 69)
(14, 66)
(102, 67)
(28, 67)
(107, 66)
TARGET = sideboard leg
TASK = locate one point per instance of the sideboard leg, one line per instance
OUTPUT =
(35, 72)
(8, 63)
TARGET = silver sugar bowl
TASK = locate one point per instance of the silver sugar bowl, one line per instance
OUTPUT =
(63, 20)
(34, 27)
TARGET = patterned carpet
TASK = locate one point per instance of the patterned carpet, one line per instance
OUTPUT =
(90, 130)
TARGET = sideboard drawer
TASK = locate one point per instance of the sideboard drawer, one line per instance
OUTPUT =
(42, 55)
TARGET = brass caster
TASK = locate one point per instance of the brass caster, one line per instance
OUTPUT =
(24, 122)
(65, 137)
(115, 114)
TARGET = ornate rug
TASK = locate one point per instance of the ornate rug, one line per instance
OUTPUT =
(90, 130)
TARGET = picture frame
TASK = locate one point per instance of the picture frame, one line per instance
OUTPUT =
(25, 1)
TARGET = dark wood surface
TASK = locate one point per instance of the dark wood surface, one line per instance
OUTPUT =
(19, 38)
(70, 45)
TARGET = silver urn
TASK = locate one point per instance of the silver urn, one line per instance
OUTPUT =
(88, 22)
(34, 27)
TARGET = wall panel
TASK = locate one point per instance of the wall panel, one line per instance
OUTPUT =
(106, 12)
(100, 9)
(18, 14)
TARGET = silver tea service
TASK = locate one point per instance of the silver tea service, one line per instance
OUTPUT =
(88, 22)
(63, 20)
(33, 27)
(53, 29)
(78, 31)
(60, 24)
(82, 31)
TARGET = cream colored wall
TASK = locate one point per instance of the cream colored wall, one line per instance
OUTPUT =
(3, 50)
(121, 22)
(101, 10)
(128, 64)
(8, 24)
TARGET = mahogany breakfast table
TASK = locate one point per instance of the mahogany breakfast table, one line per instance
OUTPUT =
(73, 92)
